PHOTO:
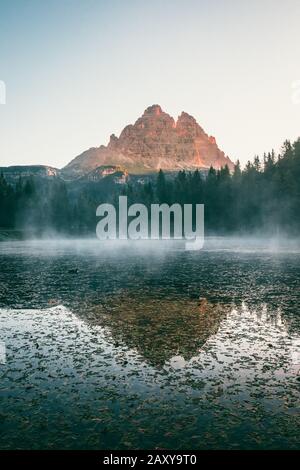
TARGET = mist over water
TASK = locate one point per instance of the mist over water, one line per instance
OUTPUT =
(143, 344)
(51, 243)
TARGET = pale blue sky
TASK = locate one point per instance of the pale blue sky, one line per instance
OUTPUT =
(77, 71)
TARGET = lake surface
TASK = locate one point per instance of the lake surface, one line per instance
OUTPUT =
(120, 346)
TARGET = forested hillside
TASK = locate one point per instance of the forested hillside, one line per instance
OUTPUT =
(265, 196)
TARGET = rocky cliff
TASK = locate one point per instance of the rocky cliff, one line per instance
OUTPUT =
(155, 141)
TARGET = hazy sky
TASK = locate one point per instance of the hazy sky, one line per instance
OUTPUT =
(77, 71)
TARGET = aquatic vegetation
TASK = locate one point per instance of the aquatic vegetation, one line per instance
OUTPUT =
(159, 329)
(130, 350)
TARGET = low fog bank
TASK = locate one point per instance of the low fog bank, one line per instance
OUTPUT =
(253, 243)
(50, 243)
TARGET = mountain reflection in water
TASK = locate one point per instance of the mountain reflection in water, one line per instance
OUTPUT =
(159, 328)
(177, 351)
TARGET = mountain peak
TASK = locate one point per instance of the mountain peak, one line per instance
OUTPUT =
(186, 117)
(155, 110)
(155, 141)
(187, 125)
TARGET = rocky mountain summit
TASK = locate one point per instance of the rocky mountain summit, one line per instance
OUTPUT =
(155, 141)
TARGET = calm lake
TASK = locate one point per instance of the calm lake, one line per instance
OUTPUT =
(111, 346)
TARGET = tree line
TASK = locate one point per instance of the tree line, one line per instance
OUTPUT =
(264, 196)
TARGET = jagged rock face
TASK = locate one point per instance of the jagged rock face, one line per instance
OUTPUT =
(155, 141)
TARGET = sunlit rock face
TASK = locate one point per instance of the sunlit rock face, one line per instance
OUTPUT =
(156, 141)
